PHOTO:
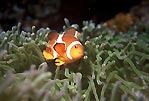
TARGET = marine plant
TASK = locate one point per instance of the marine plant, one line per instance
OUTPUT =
(115, 66)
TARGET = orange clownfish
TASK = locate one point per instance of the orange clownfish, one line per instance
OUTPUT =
(64, 48)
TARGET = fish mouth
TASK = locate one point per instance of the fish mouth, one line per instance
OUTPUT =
(81, 53)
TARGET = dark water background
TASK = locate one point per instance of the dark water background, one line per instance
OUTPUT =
(51, 13)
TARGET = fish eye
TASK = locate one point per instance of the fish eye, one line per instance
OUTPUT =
(75, 46)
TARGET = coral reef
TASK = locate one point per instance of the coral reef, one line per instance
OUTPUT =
(122, 22)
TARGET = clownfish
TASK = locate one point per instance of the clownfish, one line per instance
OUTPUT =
(64, 48)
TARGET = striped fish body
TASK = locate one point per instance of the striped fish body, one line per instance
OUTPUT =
(65, 47)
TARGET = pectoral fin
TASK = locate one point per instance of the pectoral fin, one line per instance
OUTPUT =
(60, 48)
(59, 62)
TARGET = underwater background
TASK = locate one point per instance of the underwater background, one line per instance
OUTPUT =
(115, 36)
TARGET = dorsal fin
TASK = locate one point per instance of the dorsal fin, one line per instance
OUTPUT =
(53, 35)
(71, 32)
(60, 48)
